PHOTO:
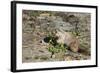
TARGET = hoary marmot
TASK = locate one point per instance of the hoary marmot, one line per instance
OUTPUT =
(68, 39)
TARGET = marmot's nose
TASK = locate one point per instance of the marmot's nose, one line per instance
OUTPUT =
(56, 38)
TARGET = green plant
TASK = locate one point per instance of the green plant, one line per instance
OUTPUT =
(55, 47)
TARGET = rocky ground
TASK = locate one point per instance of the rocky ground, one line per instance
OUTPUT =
(37, 24)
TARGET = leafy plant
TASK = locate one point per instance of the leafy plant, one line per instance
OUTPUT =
(55, 47)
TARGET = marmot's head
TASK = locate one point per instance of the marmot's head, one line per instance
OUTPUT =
(59, 36)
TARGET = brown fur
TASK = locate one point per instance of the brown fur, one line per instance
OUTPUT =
(68, 39)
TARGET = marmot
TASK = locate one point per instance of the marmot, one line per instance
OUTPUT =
(68, 39)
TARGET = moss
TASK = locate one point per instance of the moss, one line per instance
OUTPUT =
(44, 58)
(36, 57)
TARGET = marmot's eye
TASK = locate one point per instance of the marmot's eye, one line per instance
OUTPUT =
(56, 38)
